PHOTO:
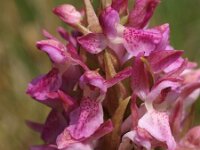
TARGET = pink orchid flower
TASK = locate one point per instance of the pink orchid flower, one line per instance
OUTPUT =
(115, 83)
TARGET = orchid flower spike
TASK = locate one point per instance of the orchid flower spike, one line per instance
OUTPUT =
(115, 83)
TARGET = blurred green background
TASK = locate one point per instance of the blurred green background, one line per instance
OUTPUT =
(21, 22)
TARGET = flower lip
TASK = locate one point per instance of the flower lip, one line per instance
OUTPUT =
(137, 41)
(157, 124)
(86, 119)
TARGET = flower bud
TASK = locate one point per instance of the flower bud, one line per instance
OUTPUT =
(68, 14)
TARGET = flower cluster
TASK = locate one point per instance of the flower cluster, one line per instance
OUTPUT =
(116, 83)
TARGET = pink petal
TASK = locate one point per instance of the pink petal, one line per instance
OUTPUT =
(141, 41)
(120, 5)
(157, 124)
(140, 82)
(53, 126)
(188, 90)
(70, 78)
(135, 111)
(75, 59)
(93, 85)
(157, 89)
(191, 140)
(192, 65)
(185, 99)
(119, 50)
(140, 137)
(44, 87)
(159, 60)
(104, 129)
(68, 14)
(109, 18)
(131, 121)
(191, 75)
(164, 43)
(174, 65)
(48, 35)
(93, 43)
(127, 124)
(66, 142)
(119, 77)
(63, 33)
(65, 139)
(38, 127)
(54, 49)
(93, 78)
(86, 119)
(59, 54)
(142, 12)
(176, 68)
(68, 102)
